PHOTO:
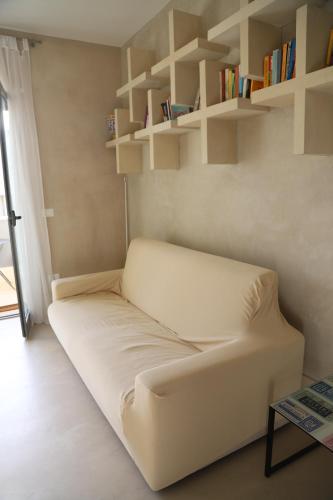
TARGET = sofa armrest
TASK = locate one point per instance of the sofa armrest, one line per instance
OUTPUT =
(87, 283)
(203, 407)
(224, 366)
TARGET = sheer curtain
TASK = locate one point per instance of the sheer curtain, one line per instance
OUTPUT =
(26, 179)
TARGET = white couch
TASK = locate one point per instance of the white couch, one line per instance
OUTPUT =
(182, 350)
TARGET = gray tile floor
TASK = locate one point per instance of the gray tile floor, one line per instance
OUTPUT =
(56, 445)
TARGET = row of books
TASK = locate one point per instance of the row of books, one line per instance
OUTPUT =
(232, 84)
(172, 111)
(329, 56)
(280, 65)
(111, 125)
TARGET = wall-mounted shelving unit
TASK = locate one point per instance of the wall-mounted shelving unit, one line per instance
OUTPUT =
(187, 48)
(163, 136)
(128, 149)
(139, 62)
(194, 61)
(256, 29)
(218, 120)
(311, 91)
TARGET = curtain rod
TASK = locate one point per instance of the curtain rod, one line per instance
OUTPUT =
(31, 40)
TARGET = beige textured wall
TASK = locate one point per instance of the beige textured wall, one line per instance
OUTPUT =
(272, 209)
(74, 88)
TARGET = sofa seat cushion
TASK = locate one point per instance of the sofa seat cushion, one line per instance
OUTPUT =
(110, 341)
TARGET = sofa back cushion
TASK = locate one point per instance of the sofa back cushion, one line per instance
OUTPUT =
(201, 297)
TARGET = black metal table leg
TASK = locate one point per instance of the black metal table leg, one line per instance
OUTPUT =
(269, 441)
(269, 468)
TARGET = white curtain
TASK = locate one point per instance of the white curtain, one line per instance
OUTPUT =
(26, 179)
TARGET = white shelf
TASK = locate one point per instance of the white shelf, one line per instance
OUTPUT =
(194, 51)
(126, 139)
(142, 135)
(235, 109)
(195, 62)
(199, 49)
(139, 62)
(321, 80)
(169, 127)
(143, 81)
(129, 139)
(191, 120)
(162, 68)
(280, 95)
(273, 12)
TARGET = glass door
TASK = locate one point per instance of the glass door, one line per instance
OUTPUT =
(13, 218)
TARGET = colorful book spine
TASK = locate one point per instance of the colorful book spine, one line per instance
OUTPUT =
(222, 85)
(236, 82)
(256, 85)
(280, 65)
(230, 83)
(266, 71)
(292, 57)
(226, 77)
(284, 62)
(240, 86)
(288, 59)
(276, 66)
(270, 69)
(244, 86)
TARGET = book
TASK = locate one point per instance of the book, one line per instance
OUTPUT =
(179, 110)
(244, 86)
(196, 105)
(111, 125)
(165, 111)
(292, 56)
(226, 79)
(270, 69)
(168, 109)
(240, 86)
(256, 85)
(279, 63)
(222, 85)
(276, 66)
(236, 82)
(248, 88)
(284, 62)
(288, 59)
(329, 55)
(230, 83)
(266, 71)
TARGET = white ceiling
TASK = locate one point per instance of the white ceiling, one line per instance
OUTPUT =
(109, 22)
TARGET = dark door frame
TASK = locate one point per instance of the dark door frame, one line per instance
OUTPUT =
(24, 314)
